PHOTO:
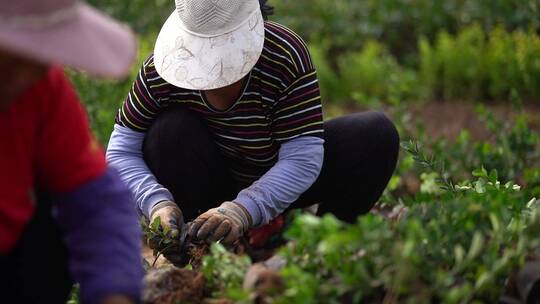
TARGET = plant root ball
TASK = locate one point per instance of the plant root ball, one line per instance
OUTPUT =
(264, 281)
(170, 285)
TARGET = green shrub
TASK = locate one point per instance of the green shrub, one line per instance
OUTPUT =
(528, 60)
(224, 272)
(332, 89)
(451, 247)
(102, 98)
(462, 60)
(474, 65)
(374, 75)
(454, 67)
(454, 242)
(470, 65)
(503, 72)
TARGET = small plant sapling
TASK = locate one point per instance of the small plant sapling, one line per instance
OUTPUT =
(160, 237)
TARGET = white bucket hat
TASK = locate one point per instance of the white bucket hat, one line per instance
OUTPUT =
(209, 44)
(67, 32)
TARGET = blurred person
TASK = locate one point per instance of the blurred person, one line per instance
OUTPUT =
(65, 216)
(223, 128)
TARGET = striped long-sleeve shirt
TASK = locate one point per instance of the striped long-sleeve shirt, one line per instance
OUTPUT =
(280, 102)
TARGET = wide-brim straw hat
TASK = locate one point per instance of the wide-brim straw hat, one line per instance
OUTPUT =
(209, 44)
(67, 32)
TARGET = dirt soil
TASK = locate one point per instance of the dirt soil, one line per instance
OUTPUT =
(447, 119)
(196, 253)
(194, 256)
(169, 285)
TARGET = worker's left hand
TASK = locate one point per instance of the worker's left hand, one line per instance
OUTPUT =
(226, 223)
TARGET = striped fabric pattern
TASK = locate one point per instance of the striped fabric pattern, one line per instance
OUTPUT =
(280, 101)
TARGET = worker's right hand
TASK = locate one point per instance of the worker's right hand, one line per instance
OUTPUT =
(170, 215)
(172, 220)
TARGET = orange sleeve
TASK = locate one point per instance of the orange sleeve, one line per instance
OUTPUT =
(68, 155)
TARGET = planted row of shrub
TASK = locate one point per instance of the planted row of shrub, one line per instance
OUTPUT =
(470, 65)
(444, 249)
(457, 245)
(463, 239)
(478, 66)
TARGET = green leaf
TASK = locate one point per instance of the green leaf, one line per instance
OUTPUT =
(480, 186)
(166, 230)
(459, 254)
(484, 279)
(495, 223)
(156, 224)
(493, 176)
(477, 244)
(480, 172)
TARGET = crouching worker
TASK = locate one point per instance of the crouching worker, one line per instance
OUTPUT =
(64, 215)
(223, 127)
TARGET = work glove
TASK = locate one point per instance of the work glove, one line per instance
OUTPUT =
(171, 219)
(226, 223)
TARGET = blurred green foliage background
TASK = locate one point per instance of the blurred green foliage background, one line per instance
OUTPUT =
(377, 51)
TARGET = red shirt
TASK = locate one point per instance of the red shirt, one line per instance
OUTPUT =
(45, 141)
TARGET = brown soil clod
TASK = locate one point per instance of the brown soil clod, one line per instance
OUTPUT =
(195, 252)
(169, 285)
(264, 279)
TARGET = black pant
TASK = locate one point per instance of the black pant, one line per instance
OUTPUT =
(36, 270)
(360, 155)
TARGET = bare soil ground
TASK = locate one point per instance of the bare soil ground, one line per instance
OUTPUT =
(169, 285)
(447, 119)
